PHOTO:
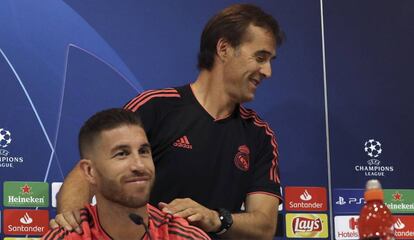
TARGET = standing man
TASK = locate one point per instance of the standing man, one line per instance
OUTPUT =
(211, 154)
(116, 160)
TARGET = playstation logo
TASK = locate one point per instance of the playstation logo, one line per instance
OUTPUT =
(347, 200)
(341, 201)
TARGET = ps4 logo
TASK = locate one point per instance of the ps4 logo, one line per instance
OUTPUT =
(356, 201)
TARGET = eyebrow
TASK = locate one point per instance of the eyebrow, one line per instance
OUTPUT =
(146, 145)
(117, 147)
(265, 52)
(122, 146)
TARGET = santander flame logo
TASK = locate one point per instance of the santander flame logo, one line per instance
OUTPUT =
(26, 219)
(301, 224)
(305, 196)
(399, 224)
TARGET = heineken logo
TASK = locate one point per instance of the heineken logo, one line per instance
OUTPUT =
(397, 196)
(26, 194)
(26, 189)
(399, 200)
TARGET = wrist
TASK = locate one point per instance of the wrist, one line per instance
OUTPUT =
(216, 223)
(226, 221)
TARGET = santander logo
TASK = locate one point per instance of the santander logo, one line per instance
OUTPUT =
(25, 222)
(302, 224)
(305, 199)
(399, 224)
(404, 227)
(26, 219)
(305, 196)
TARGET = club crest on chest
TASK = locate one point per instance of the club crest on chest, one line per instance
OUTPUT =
(242, 158)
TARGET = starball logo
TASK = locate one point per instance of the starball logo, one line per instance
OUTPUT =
(6, 159)
(306, 225)
(5, 137)
(26, 194)
(373, 149)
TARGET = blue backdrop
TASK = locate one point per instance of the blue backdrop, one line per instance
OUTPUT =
(343, 77)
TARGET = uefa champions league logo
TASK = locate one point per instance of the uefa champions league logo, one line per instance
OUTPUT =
(373, 148)
(374, 167)
(7, 160)
(5, 138)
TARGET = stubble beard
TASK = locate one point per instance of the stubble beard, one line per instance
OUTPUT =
(111, 191)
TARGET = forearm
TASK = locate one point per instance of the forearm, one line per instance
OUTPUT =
(252, 225)
(259, 220)
(75, 191)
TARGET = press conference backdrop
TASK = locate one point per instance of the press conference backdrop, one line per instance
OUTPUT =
(340, 99)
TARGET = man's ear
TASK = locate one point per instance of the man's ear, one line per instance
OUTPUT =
(223, 48)
(88, 169)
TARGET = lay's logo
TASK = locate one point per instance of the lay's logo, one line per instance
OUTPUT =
(306, 225)
(301, 224)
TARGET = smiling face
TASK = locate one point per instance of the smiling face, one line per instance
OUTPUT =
(248, 64)
(122, 169)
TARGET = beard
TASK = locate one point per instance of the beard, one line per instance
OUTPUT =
(112, 191)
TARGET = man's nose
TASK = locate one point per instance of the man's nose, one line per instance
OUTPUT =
(266, 70)
(136, 163)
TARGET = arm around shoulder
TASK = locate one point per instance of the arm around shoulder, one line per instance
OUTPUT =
(75, 192)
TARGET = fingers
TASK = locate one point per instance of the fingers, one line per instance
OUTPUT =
(178, 205)
(68, 220)
(184, 213)
(195, 213)
(53, 224)
(77, 217)
(195, 218)
(162, 205)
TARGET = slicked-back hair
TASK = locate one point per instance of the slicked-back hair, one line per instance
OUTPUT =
(231, 24)
(104, 120)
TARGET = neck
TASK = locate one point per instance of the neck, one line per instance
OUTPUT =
(210, 93)
(114, 218)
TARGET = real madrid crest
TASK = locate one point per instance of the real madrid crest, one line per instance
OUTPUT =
(242, 158)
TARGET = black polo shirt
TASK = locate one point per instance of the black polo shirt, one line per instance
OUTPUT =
(214, 162)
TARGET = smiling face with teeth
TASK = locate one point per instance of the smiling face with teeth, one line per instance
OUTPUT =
(121, 166)
(248, 64)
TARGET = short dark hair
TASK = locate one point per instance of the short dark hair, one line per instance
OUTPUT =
(104, 120)
(231, 24)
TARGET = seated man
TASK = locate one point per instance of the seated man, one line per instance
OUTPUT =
(116, 160)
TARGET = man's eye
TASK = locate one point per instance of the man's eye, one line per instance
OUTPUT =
(260, 59)
(144, 151)
(121, 154)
